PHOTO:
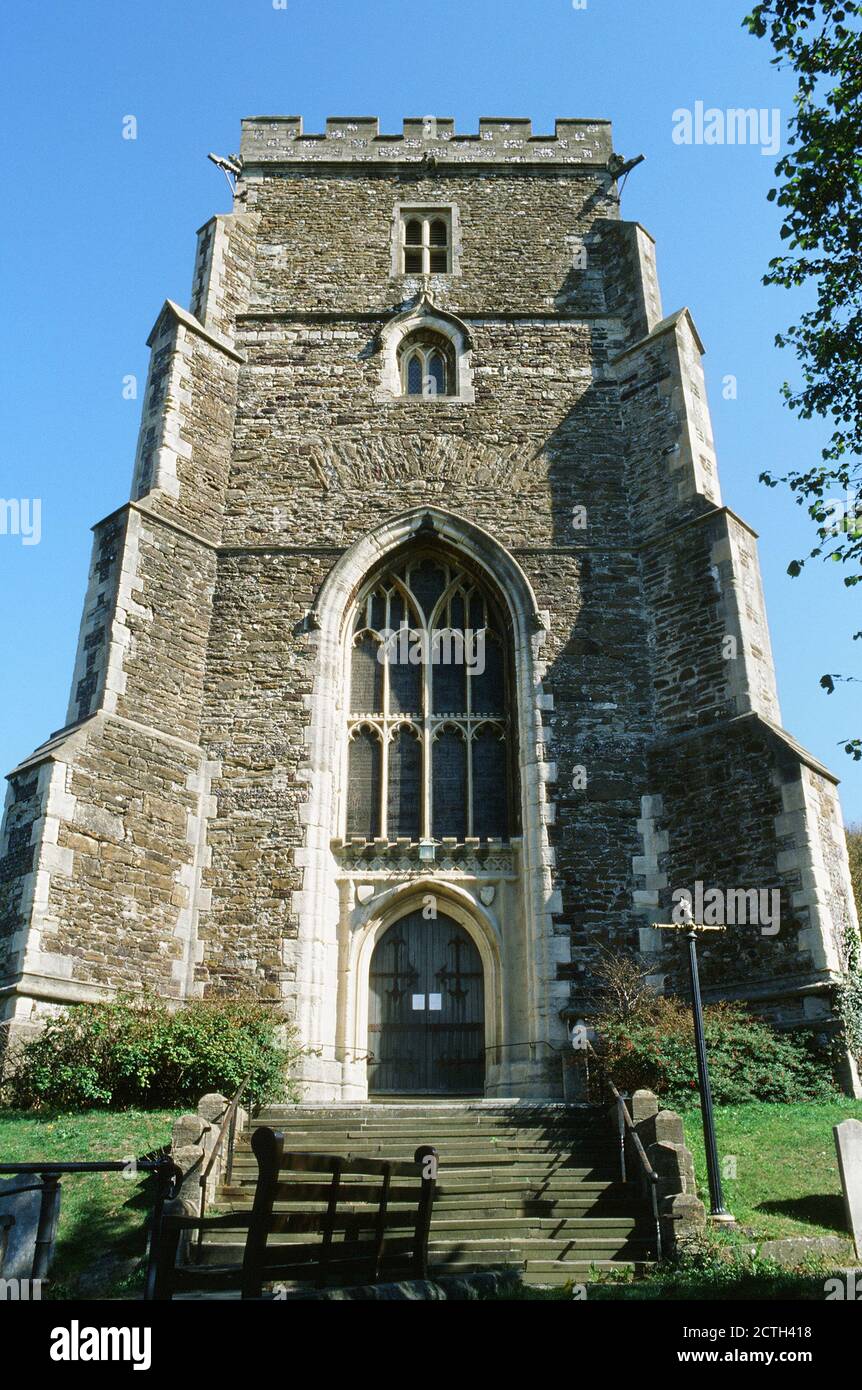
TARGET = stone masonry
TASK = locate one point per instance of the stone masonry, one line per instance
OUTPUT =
(185, 830)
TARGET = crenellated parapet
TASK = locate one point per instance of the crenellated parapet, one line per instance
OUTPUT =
(499, 140)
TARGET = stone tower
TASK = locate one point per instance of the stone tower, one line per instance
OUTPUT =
(425, 386)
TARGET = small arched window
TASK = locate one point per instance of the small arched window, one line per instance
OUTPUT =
(430, 728)
(427, 363)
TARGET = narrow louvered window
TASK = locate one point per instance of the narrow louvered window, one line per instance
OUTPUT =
(426, 243)
(439, 246)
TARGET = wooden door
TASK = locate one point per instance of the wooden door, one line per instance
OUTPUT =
(426, 1010)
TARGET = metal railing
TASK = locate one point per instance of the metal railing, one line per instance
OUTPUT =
(50, 1175)
(628, 1136)
(226, 1129)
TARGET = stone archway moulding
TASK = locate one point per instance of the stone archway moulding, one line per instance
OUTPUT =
(318, 994)
(387, 909)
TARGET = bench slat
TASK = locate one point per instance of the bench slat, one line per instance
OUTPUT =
(390, 1232)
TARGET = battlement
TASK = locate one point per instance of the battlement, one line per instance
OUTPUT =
(500, 140)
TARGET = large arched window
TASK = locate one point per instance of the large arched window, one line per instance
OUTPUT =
(430, 730)
(426, 362)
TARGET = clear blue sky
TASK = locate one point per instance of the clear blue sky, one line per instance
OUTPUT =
(98, 230)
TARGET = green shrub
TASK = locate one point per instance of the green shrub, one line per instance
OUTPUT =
(139, 1052)
(748, 1060)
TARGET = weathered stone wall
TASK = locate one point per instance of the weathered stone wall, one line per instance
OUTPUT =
(259, 684)
(325, 241)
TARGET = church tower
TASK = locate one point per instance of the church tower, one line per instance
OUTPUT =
(425, 660)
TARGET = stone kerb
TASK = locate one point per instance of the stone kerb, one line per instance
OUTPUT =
(681, 1213)
(193, 1139)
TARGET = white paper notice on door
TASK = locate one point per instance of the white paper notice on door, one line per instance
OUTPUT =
(435, 1001)
(419, 1001)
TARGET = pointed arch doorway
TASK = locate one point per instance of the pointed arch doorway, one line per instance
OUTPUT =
(426, 1010)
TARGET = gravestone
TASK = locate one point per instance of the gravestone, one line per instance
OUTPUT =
(24, 1206)
(848, 1142)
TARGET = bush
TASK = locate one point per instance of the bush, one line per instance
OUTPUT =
(748, 1060)
(138, 1052)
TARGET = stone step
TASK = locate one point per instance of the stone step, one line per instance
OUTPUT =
(494, 1189)
(475, 1252)
(449, 1151)
(395, 1147)
(522, 1111)
(439, 1120)
(518, 1185)
(418, 1130)
(473, 1204)
(525, 1171)
(584, 1180)
(517, 1227)
(587, 1247)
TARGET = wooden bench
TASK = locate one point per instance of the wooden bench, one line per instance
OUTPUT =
(369, 1219)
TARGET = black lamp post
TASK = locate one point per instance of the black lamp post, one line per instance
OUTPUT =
(717, 1210)
(716, 1197)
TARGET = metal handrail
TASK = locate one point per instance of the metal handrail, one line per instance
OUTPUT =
(167, 1177)
(227, 1127)
(626, 1130)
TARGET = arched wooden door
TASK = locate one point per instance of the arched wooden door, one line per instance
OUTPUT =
(426, 1010)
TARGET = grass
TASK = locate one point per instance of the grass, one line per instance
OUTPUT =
(787, 1181)
(102, 1231)
(715, 1271)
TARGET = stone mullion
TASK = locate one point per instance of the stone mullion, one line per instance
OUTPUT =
(384, 757)
(468, 723)
(425, 721)
(468, 736)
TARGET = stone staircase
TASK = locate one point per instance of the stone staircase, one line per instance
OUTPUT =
(532, 1186)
